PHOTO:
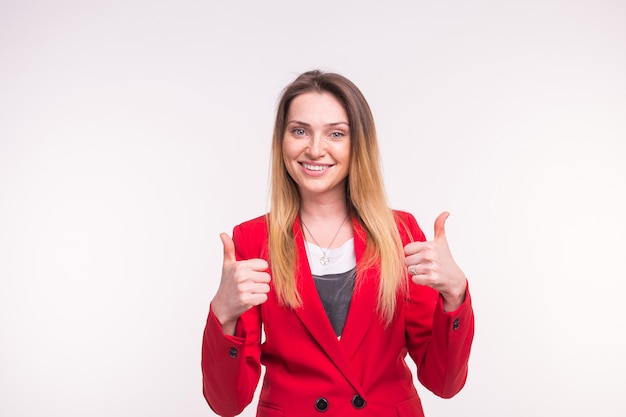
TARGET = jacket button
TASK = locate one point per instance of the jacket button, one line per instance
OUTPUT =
(321, 404)
(232, 352)
(358, 402)
(455, 324)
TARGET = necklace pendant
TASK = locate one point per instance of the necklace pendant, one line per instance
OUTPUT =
(324, 260)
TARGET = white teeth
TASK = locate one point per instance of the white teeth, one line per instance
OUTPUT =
(314, 167)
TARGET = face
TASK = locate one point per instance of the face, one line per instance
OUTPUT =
(316, 145)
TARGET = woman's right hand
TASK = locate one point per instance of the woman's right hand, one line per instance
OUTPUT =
(244, 284)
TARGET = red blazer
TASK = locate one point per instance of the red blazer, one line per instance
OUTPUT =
(308, 372)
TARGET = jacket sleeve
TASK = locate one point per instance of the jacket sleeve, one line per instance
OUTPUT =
(231, 364)
(439, 342)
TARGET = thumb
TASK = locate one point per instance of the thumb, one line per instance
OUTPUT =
(440, 225)
(229, 249)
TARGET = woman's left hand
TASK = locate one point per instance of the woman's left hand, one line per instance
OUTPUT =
(431, 264)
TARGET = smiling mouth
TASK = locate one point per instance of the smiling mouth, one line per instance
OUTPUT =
(317, 168)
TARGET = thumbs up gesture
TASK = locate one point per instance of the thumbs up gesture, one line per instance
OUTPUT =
(244, 284)
(431, 264)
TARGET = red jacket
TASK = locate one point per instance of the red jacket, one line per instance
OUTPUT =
(308, 372)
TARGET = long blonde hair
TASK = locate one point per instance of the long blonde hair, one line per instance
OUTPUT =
(365, 195)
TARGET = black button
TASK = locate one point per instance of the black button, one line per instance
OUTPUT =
(321, 404)
(232, 352)
(455, 325)
(358, 402)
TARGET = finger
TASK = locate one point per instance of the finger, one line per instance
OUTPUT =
(440, 225)
(414, 247)
(258, 277)
(229, 249)
(256, 265)
(255, 299)
(255, 295)
(261, 289)
(418, 259)
(421, 268)
(253, 287)
(424, 280)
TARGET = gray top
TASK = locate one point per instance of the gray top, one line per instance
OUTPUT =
(334, 280)
(335, 291)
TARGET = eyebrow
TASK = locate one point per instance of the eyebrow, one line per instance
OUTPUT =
(307, 124)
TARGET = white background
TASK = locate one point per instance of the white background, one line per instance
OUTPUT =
(133, 132)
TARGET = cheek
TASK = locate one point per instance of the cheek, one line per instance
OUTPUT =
(287, 152)
(288, 158)
(291, 151)
(287, 148)
(346, 153)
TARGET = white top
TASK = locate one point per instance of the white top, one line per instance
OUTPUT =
(341, 259)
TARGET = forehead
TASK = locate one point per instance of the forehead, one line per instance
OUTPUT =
(313, 106)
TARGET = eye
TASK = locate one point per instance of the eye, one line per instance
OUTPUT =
(337, 135)
(298, 131)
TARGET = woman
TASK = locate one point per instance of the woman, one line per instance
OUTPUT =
(341, 286)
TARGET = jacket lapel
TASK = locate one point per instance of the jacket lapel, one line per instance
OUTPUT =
(312, 313)
(362, 310)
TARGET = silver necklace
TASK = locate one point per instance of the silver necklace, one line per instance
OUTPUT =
(324, 260)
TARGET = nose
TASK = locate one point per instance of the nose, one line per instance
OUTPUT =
(317, 146)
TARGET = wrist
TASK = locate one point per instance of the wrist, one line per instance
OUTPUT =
(454, 299)
(450, 304)
(225, 320)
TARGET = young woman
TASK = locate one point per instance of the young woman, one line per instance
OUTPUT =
(341, 286)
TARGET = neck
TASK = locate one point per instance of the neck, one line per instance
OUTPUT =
(323, 211)
(326, 225)
(328, 204)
